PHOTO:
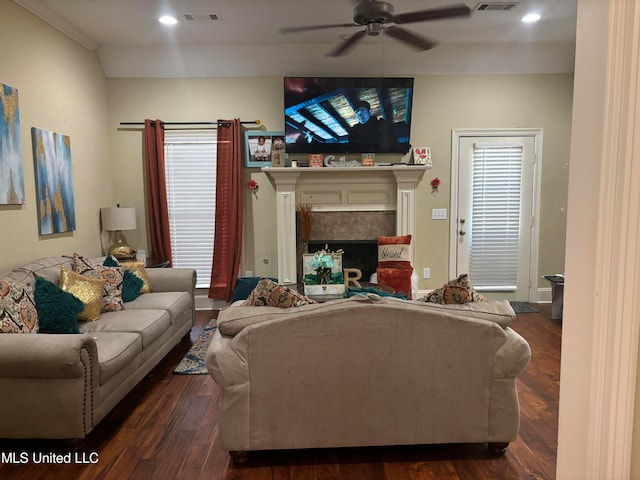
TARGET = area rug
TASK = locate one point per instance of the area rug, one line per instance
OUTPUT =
(193, 362)
(522, 307)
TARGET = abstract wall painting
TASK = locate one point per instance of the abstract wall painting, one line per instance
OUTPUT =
(11, 172)
(54, 185)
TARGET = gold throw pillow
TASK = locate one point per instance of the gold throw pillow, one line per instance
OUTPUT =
(88, 290)
(137, 267)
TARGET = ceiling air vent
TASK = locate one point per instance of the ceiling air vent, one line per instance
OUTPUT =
(495, 6)
(200, 17)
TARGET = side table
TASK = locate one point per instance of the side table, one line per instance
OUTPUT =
(156, 263)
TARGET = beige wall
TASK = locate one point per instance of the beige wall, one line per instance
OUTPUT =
(196, 100)
(441, 104)
(444, 103)
(61, 88)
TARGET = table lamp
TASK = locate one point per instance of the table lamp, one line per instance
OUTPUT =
(116, 219)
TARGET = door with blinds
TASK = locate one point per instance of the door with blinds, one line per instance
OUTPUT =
(494, 223)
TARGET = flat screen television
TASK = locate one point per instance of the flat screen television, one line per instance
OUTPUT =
(347, 115)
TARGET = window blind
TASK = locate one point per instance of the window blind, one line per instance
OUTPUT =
(495, 222)
(190, 169)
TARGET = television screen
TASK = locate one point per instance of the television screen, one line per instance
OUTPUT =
(347, 115)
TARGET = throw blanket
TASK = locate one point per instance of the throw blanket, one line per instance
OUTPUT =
(364, 290)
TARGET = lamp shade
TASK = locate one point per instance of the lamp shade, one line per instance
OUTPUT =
(120, 218)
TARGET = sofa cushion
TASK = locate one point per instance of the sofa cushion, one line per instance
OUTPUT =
(18, 312)
(88, 290)
(173, 302)
(497, 311)
(271, 294)
(57, 310)
(45, 267)
(113, 277)
(149, 324)
(116, 351)
(233, 320)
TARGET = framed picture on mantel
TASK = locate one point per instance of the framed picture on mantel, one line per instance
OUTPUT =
(263, 148)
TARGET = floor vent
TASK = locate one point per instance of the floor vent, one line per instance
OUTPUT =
(495, 6)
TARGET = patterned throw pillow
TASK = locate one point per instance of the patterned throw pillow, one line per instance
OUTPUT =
(113, 277)
(18, 312)
(57, 310)
(458, 290)
(131, 283)
(89, 290)
(271, 294)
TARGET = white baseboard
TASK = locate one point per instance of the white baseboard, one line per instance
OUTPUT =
(544, 295)
(203, 302)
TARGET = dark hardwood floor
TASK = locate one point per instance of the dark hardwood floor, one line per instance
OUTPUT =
(167, 428)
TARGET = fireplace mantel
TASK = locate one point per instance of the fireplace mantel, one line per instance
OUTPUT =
(340, 189)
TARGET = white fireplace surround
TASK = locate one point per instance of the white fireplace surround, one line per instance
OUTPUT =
(340, 189)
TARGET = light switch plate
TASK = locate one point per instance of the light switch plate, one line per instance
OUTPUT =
(438, 213)
(426, 273)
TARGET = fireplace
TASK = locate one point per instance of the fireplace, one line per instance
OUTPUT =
(348, 204)
(356, 233)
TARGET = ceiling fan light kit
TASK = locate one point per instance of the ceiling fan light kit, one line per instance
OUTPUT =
(374, 15)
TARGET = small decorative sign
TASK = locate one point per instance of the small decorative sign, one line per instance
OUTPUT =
(315, 160)
(394, 253)
(278, 157)
(368, 159)
(422, 156)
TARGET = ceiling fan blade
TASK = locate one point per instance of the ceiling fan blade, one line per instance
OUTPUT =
(433, 14)
(348, 44)
(415, 41)
(316, 27)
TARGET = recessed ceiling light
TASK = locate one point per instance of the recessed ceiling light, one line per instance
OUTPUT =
(530, 18)
(168, 20)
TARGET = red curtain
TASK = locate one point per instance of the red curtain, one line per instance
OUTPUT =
(158, 211)
(227, 244)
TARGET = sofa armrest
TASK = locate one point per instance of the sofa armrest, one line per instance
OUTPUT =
(47, 356)
(172, 279)
(512, 357)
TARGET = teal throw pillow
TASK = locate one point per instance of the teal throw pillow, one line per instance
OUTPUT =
(110, 261)
(131, 284)
(57, 310)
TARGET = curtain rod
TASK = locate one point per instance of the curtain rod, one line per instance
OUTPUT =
(255, 122)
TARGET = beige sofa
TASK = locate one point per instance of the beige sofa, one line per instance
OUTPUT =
(367, 371)
(62, 385)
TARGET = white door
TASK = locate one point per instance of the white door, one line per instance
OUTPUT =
(494, 219)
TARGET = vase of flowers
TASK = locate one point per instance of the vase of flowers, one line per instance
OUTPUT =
(322, 263)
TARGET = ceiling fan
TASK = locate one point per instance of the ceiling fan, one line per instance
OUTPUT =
(374, 15)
